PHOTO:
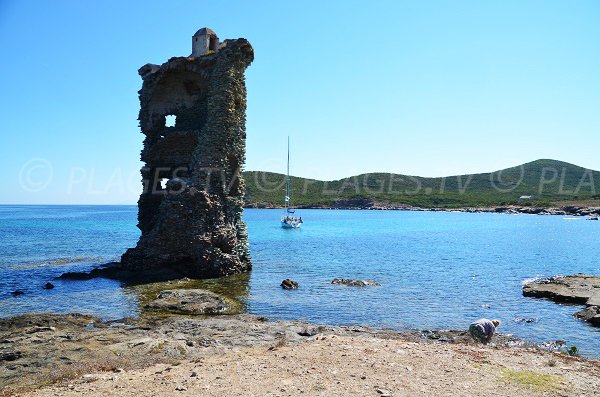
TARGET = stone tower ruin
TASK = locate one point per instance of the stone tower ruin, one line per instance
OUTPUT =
(203, 41)
(193, 116)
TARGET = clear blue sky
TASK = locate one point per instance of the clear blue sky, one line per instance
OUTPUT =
(426, 88)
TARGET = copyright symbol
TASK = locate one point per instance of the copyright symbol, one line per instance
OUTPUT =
(508, 185)
(36, 175)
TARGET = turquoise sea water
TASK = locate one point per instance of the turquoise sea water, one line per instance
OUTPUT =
(439, 270)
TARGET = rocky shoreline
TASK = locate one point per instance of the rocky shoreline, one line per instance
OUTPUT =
(360, 204)
(76, 353)
(49, 354)
(579, 289)
(179, 327)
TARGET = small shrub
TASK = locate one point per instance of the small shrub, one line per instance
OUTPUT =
(573, 351)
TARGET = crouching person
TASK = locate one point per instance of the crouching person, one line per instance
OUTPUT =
(483, 330)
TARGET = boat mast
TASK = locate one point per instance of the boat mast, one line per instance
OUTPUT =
(287, 180)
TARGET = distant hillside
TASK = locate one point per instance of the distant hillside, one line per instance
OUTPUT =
(546, 181)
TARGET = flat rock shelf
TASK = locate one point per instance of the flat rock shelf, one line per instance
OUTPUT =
(575, 289)
(189, 301)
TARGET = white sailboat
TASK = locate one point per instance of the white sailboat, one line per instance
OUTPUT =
(288, 220)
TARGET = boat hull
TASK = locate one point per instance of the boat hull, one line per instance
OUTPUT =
(290, 225)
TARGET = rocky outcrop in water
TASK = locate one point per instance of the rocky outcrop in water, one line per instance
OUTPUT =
(576, 289)
(590, 314)
(579, 288)
(193, 115)
(355, 283)
(289, 284)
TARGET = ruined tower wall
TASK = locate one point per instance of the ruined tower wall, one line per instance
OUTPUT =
(194, 224)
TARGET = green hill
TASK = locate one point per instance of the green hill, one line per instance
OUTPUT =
(546, 181)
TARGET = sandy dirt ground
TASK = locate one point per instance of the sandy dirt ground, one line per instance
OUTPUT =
(332, 365)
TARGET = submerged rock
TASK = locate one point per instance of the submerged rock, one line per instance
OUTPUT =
(17, 293)
(525, 320)
(48, 286)
(576, 289)
(190, 301)
(355, 283)
(289, 284)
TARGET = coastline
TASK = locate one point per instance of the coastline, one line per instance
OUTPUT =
(249, 355)
(511, 209)
(133, 356)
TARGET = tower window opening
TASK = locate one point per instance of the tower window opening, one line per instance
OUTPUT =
(170, 120)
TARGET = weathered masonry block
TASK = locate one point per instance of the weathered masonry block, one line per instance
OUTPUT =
(193, 114)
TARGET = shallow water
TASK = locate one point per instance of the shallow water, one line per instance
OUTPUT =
(438, 269)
